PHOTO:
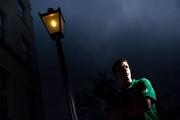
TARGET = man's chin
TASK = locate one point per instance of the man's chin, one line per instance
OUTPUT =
(127, 79)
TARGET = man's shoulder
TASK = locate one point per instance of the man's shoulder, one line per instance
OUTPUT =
(144, 81)
(146, 88)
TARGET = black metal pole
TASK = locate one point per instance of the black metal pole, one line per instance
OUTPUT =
(69, 97)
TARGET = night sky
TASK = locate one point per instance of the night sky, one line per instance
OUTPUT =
(97, 32)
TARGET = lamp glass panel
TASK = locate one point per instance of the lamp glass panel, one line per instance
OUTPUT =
(62, 24)
(52, 22)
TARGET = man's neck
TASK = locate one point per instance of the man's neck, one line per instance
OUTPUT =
(127, 83)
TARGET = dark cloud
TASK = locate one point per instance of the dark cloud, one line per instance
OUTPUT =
(121, 25)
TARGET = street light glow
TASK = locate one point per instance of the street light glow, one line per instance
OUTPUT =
(53, 23)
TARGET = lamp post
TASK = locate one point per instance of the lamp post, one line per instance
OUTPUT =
(54, 22)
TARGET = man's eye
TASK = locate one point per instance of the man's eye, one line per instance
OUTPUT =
(120, 68)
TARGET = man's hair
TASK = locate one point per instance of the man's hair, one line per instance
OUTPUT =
(117, 63)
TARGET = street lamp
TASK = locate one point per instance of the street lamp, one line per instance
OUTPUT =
(54, 22)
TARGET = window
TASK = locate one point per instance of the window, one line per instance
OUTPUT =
(2, 21)
(1, 26)
(31, 103)
(25, 49)
(22, 9)
(3, 96)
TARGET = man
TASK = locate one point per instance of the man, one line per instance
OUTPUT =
(136, 99)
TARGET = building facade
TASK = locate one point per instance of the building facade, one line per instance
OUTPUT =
(20, 91)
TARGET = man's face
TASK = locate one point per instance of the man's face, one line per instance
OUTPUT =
(123, 72)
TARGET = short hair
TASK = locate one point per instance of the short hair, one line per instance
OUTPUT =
(117, 63)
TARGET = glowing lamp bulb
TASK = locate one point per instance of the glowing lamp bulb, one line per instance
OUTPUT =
(53, 23)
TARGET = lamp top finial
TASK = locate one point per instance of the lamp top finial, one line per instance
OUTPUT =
(50, 9)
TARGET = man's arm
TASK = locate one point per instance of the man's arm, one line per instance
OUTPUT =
(148, 104)
(144, 101)
(138, 107)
